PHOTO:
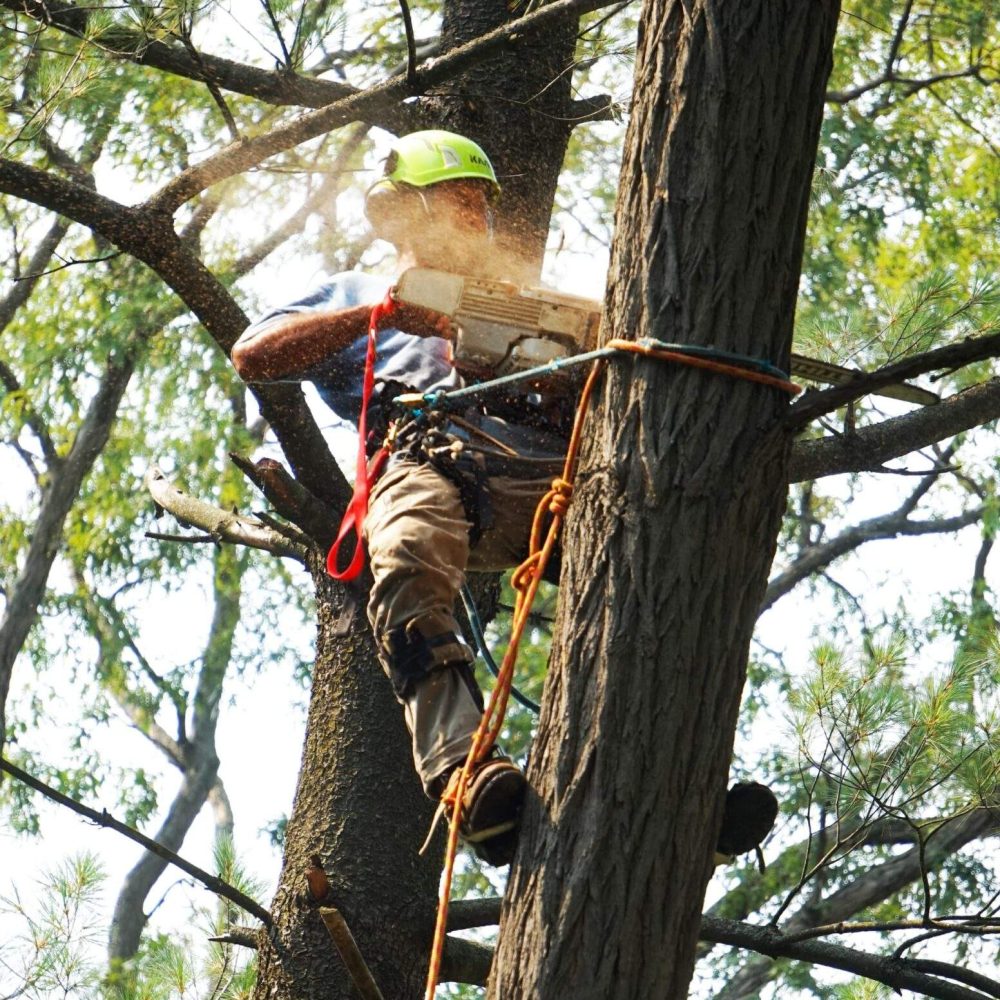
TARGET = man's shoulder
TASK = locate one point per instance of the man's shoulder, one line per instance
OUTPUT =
(345, 289)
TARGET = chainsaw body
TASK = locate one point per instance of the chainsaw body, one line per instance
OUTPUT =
(503, 327)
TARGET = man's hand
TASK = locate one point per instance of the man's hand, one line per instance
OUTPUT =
(420, 322)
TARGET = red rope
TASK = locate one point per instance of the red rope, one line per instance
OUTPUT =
(365, 472)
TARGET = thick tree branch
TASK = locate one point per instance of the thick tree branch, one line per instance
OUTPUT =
(867, 449)
(898, 973)
(238, 157)
(102, 818)
(466, 913)
(465, 962)
(222, 525)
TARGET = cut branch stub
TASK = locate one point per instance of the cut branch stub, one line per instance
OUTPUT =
(222, 525)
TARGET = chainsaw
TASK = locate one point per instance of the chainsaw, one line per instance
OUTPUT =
(503, 328)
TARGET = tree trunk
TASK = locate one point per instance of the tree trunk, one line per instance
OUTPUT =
(518, 106)
(677, 506)
(360, 808)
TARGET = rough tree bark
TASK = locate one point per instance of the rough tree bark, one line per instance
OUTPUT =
(677, 506)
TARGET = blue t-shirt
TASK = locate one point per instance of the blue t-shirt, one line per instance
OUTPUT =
(420, 363)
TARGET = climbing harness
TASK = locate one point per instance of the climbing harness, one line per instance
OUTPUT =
(421, 403)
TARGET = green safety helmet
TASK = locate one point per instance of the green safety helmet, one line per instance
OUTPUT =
(424, 158)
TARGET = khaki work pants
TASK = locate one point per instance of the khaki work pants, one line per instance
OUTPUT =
(418, 546)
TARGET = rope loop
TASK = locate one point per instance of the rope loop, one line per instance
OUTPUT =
(522, 577)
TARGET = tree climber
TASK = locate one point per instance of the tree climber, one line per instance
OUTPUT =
(433, 513)
(453, 497)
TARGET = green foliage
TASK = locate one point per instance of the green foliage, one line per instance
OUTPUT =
(50, 953)
(902, 250)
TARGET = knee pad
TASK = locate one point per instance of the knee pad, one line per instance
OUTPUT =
(408, 656)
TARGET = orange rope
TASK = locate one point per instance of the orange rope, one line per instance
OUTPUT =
(708, 364)
(525, 581)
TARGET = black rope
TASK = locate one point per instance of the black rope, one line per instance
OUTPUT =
(477, 633)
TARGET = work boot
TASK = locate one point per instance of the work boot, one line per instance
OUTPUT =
(491, 808)
(750, 812)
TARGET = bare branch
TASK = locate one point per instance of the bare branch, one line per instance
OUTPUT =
(213, 88)
(103, 818)
(873, 886)
(891, 525)
(222, 525)
(897, 973)
(72, 262)
(411, 44)
(909, 85)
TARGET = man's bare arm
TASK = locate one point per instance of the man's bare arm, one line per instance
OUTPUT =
(300, 341)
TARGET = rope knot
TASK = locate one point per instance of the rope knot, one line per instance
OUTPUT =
(560, 496)
(521, 578)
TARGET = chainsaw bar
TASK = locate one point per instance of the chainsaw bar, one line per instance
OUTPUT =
(831, 374)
